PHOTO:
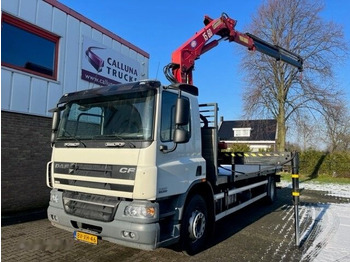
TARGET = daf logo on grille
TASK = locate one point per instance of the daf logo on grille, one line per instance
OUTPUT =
(59, 165)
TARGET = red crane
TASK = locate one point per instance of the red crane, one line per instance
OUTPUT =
(181, 67)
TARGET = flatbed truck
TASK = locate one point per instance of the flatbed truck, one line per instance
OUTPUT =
(139, 164)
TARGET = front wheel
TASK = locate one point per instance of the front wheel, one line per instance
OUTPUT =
(194, 227)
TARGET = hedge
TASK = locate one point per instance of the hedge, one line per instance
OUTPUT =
(314, 163)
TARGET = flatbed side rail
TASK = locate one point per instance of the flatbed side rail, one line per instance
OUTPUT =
(258, 158)
(242, 205)
(235, 166)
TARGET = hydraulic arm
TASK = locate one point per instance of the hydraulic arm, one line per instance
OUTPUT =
(181, 67)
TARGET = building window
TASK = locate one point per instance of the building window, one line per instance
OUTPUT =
(28, 48)
(241, 132)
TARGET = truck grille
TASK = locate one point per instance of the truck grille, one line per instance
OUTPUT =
(95, 207)
(109, 180)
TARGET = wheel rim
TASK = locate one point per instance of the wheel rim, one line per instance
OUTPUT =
(197, 225)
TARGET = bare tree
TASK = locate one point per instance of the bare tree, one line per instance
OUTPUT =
(279, 90)
(337, 125)
(305, 132)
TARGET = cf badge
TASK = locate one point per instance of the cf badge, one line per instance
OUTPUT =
(127, 170)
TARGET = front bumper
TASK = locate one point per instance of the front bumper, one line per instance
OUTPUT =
(144, 235)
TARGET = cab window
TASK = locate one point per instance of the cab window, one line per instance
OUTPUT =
(167, 126)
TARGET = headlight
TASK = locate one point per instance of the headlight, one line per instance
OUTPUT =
(140, 211)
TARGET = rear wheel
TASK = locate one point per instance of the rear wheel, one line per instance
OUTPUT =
(194, 227)
(271, 190)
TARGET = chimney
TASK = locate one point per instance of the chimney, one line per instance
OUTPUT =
(221, 120)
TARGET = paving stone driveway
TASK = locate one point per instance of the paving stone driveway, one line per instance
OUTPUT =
(257, 233)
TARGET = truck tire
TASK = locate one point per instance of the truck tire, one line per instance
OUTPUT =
(194, 227)
(271, 190)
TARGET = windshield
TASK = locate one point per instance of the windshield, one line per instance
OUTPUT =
(121, 117)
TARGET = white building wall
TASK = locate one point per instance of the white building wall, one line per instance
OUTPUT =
(26, 93)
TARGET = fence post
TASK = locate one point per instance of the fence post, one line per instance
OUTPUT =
(296, 194)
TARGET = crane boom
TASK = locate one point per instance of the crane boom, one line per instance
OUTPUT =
(182, 65)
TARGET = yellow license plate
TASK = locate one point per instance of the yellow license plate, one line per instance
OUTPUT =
(88, 238)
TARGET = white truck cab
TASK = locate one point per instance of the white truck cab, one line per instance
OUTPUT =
(120, 155)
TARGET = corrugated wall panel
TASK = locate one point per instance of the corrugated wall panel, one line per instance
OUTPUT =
(117, 46)
(96, 35)
(44, 15)
(132, 54)
(53, 95)
(27, 10)
(71, 58)
(125, 50)
(85, 30)
(10, 6)
(6, 83)
(38, 97)
(59, 22)
(144, 65)
(20, 93)
(107, 41)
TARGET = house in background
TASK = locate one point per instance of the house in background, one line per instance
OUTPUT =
(257, 134)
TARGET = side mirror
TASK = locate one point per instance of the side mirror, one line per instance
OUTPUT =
(181, 136)
(55, 122)
(182, 111)
(182, 118)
